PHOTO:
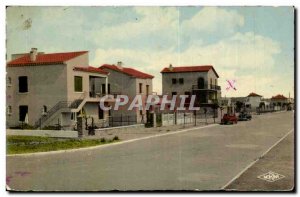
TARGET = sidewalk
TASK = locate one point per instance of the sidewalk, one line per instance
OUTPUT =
(279, 160)
(139, 133)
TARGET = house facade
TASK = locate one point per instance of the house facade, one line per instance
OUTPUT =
(131, 82)
(253, 101)
(49, 89)
(201, 81)
(279, 102)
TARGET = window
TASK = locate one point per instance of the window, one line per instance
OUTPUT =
(103, 89)
(181, 81)
(73, 116)
(78, 84)
(140, 87)
(9, 81)
(174, 81)
(44, 109)
(23, 84)
(23, 110)
(200, 83)
(147, 89)
(174, 93)
(9, 110)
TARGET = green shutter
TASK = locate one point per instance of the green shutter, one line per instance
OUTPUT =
(78, 84)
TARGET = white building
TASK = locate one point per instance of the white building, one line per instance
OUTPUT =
(253, 100)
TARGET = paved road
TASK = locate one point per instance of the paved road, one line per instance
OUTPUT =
(203, 159)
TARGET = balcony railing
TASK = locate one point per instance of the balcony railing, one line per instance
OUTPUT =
(206, 87)
(99, 95)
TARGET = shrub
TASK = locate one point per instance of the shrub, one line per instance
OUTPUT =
(148, 125)
(116, 138)
(49, 127)
(103, 140)
(24, 126)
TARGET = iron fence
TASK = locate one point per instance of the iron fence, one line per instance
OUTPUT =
(122, 120)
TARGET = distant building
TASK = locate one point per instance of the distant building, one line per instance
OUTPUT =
(50, 89)
(279, 102)
(253, 101)
(201, 81)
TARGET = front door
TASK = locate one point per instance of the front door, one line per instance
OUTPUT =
(200, 83)
(23, 111)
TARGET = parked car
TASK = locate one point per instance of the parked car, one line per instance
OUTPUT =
(245, 116)
(229, 119)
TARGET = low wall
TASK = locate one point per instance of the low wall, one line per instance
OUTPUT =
(43, 133)
(123, 128)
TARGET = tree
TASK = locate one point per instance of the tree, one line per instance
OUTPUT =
(239, 105)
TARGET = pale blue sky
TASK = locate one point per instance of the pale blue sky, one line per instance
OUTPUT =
(253, 45)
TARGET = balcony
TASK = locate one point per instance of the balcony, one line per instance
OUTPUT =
(206, 87)
(99, 95)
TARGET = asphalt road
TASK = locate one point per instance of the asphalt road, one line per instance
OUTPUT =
(201, 159)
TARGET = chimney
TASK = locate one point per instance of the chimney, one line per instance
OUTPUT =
(33, 54)
(170, 67)
(119, 65)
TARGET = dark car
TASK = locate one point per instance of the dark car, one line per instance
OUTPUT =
(229, 119)
(244, 116)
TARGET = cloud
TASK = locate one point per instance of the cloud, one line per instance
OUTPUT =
(247, 58)
(214, 19)
(149, 23)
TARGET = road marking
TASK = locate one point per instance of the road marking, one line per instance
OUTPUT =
(271, 176)
(107, 145)
(252, 163)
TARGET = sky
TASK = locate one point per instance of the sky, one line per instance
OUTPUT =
(252, 45)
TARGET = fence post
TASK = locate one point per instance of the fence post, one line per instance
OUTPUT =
(214, 115)
(79, 126)
(121, 120)
(184, 120)
(195, 117)
(205, 110)
(154, 120)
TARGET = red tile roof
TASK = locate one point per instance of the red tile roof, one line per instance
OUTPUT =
(129, 71)
(45, 59)
(279, 96)
(253, 94)
(204, 68)
(91, 69)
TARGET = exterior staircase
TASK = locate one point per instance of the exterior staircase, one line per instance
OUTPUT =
(60, 106)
